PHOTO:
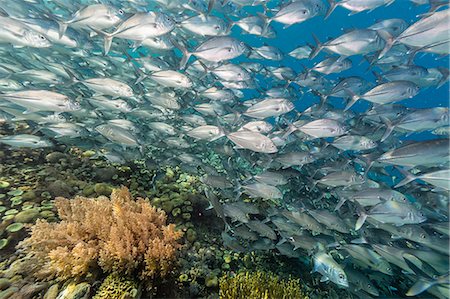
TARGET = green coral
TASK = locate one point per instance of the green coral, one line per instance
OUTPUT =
(259, 285)
(116, 286)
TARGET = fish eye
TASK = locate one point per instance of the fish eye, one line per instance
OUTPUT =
(423, 236)
(42, 37)
(369, 286)
(341, 276)
(304, 12)
(121, 12)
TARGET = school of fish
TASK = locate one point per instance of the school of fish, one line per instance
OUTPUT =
(173, 82)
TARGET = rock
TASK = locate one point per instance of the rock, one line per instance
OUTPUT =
(29, 195)
(211, 281)
(191, 235)
(4, 283)
(105, 174)
(3, 244)
(88, 190)
(102, 189)
(167, 206)
(75, 291)
(60, 188)
(8, 292)
(52, 292)
(26, 216)
(15, 227)
(88, 154)
(55, 157)
(47, 214)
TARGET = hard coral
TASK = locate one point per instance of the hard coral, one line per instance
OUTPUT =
(116, 235)
(116, 286)
(259, 285)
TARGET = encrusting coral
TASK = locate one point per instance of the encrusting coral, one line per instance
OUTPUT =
(259, 285)
(118, 287)
(117, 235)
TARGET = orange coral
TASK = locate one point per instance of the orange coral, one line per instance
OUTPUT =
(117, 235)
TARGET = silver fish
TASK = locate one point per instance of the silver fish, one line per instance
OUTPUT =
(215, 49)
(253, 141)
(25, 140)
(330, 270)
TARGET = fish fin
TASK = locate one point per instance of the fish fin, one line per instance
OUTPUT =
(108, 39)
(3, 13)
(408, 177)
(362, 218)
(389, 128)
(282, 241)
(291, 129)
(445, 74)
(333, 4)
(361, 240)
(380, 79)
(419, 287)
(266, 20)
(184, 51)
(317, 49)
(62, 28)
(340, 203)
(107, 44)
(352, 100)
(324, 279)
(210, 6)
(389, 42)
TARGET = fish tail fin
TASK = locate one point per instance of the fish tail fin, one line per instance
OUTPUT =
(380, 78)
(230, 25)
(291, 129)
(340, 203)
(186, 54)
(408, 177)
(419, 287)
(362, 218)
(141, 78)
(238, 191)
(107, 44)
(445, 74)
(72, 78)
(389, 128)
(353, 99)
(108, 39)
(317, 48)
(210, 6)
(333, 4)
(389, 42)
(62, 28)
(266, 20)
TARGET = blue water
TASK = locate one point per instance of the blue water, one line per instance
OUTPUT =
(339, 22)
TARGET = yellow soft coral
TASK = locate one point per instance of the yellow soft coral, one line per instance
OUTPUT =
(116, 235)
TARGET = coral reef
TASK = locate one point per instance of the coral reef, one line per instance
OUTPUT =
(115, 235)
(259, 285)
(116, 286)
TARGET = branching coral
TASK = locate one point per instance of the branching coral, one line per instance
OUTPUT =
(259, 285)
(116, 235)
